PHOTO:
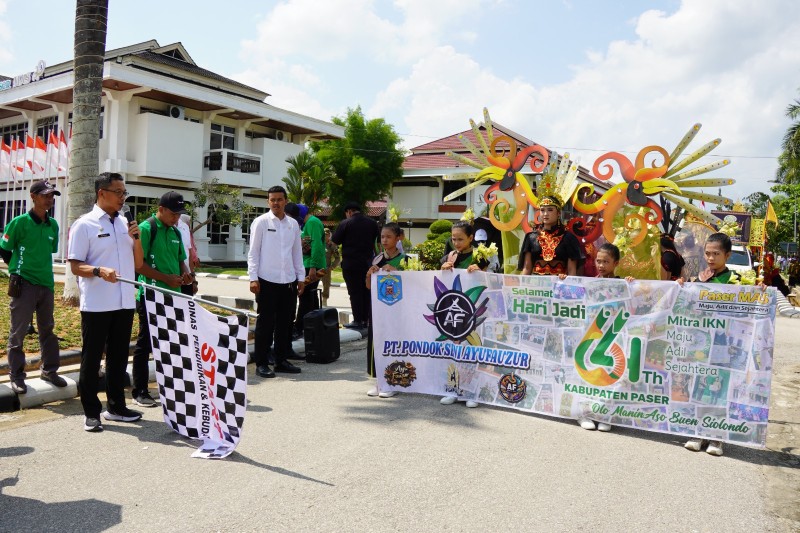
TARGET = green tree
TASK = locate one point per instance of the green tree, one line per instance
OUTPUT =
(756, 203)
(367, 160)
(229, 206)
(789, 160)
(91, 18)
(309, 179)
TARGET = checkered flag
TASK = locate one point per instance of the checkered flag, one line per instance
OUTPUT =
(201, 370)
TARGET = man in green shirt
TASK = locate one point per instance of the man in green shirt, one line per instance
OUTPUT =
(27, 246)
(163, 266)
(313, 243)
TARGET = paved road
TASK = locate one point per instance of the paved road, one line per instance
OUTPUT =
(319, 455)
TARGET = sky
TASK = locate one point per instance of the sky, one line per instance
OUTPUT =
(577, 76)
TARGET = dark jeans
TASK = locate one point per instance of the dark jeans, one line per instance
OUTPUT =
(39, 299)
(308, 301)
(355, 279)
(140, 374)
(276, 305)
(110, 331)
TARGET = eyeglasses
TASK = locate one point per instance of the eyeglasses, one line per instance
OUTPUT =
(122, 194)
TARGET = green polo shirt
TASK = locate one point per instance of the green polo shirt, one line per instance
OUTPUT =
(32, 242)
(314, 230)
(165, 255)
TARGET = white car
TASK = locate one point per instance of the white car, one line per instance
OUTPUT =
(740, 259)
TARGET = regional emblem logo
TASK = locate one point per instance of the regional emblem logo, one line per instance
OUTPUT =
(456, 313)
(512, 388)
(400, 374)
(390, 289)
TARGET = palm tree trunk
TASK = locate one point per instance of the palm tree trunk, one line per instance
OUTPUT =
(91, 17)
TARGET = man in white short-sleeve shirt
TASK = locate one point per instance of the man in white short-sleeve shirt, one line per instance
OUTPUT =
(102, 247)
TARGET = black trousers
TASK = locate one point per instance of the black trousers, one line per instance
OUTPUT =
(355, 279)
(109, 331)
(308, 301)
(140, 374)
(276, 305)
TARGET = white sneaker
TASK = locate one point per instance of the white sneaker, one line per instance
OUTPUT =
(602, 426)
(388, 394)
(372, 392)
(472, 404)
(694, 444)
(585, 423)
(448, 400)
(714, 448)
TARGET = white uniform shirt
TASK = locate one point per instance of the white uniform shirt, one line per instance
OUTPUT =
(98, 241)
(186, 239)
(275, 251)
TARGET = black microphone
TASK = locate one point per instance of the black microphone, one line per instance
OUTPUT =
(126, 212)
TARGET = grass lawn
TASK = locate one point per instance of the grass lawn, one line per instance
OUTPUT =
(67, 323)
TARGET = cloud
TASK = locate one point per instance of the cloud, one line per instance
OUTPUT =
(5, 35)
(300, 42)
(729, 65)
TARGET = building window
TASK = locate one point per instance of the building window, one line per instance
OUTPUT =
(142, 207)
(9, 210)
(10, 131)
(217, 233)
(222, 137)
(247, 221)
(451, 187)
(45, 125)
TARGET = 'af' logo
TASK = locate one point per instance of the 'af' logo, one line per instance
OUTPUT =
(455, 313)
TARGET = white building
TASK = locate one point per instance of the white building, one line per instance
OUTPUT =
(167, 124)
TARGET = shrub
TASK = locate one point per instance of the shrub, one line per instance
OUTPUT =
(430, 252)
(439, 227)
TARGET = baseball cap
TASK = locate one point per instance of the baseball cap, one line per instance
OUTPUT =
(44, 187)
(173, 201)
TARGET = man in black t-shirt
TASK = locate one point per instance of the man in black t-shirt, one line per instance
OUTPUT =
(357, 234)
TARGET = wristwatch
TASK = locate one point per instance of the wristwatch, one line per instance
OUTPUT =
(96, 271)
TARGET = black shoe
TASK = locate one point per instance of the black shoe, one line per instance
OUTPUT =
(296, 335)
(55, 379)
(122, 415)
(264, 371)
(92, 424)
(19, 387)
(353, 325)
(287, 368)
(295, 356)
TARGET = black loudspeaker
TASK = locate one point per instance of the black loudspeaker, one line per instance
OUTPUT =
(321, 335)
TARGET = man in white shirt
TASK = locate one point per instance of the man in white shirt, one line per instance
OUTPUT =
(184, 226)
(103, 246)
(275, 268)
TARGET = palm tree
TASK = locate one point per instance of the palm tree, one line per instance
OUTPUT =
(308, 179)
(321, 178)
(91, 18)
(297, 175)
(789, 160)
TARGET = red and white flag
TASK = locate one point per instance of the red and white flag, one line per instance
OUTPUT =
(39, 161)
(5, 161)
(63, 155)
(18, 148)
(52, 155)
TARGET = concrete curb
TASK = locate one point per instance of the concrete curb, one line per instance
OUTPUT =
(244, 278)
(41, 392)
(785, 308)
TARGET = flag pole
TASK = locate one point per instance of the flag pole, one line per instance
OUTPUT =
(248, 314)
